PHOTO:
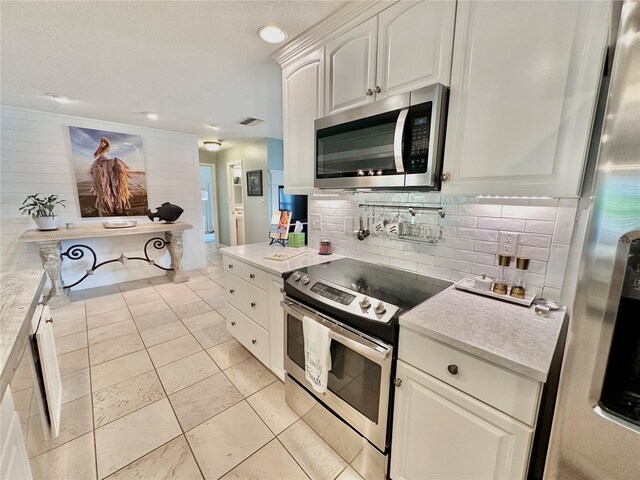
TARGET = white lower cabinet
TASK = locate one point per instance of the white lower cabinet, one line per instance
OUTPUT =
(442, 433)
(254, 315)
(14, 460)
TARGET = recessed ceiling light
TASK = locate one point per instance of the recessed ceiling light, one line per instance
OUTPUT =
(215, 127)
(59, 98)
(212, 146)
(272, 34)
(152, 115)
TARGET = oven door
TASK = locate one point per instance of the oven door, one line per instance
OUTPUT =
(360, 376)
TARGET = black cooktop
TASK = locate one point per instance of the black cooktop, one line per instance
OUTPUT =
(398, 287)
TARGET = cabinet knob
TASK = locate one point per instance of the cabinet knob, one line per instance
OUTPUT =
(233, 324)
(397, 382)
(281, 290)
(253, 304)
(445, 176)
(231, 265)
(254, 341)
(452, 369)
(49, 320)
(252, 276)
(377, 89)
(369, 92)
(232, 291)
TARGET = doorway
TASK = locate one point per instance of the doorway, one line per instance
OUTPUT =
(235, 191)
(209, 204)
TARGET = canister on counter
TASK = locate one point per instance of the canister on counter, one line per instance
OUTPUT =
(483, 282)
(325, 247)
(501, 285)
(519, 288)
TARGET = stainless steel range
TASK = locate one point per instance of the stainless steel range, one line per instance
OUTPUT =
(360, 304)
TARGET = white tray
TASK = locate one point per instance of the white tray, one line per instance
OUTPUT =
(285, 254)
(119, 223)
(467, 285)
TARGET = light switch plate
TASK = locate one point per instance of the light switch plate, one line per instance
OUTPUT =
(508, 243)
(316, 222)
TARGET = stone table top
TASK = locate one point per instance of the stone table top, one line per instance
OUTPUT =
(506, 334)
(18, 300)
(95, 230)
(254, 254)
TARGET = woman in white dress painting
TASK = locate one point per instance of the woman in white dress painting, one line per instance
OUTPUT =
(110, 178)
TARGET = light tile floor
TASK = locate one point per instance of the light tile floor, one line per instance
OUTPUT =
(155, 387)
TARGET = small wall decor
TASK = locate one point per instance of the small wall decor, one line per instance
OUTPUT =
(112, 185)
(167, 212)
(254, 183)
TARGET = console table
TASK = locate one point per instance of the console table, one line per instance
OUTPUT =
(52, 255)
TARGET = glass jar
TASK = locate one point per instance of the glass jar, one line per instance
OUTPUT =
(501, 284)
(519, 288)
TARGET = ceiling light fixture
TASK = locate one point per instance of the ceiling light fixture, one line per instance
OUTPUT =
(272, 34)
(59, 98)
(152, 115)
(212, 146)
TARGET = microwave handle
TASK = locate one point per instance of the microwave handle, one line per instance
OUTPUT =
(397, 140)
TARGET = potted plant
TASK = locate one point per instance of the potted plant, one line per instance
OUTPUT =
(41, 210)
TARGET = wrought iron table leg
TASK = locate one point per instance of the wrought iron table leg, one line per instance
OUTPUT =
(52, 263)
(176, 248)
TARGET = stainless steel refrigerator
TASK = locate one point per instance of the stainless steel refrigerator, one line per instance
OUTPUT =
(596, 429)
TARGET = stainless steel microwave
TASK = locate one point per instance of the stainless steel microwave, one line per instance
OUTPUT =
(392, 143)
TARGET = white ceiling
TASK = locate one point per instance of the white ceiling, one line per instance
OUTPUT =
(194, 63)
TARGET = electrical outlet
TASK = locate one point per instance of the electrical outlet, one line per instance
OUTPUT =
(508, 243)
(316, 222)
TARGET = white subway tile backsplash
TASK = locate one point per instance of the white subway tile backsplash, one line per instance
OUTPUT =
(539, 226)
(529, 213)
(551, 293)
(471, 229)
(513, 225)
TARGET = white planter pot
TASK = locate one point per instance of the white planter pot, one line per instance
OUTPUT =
(47, 223)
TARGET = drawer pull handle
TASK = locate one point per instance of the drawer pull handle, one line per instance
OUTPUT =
(232, 291)
(233, 324)
(452, 369)
(253, 304)
(254, 341)
(252, 276)
(231, 265)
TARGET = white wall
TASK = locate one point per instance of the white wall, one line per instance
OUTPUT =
(471, 229)
(36, 157)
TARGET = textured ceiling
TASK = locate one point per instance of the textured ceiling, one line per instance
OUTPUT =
(195, 63)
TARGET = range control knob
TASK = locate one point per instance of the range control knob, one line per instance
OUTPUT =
(306, 280)
(365, 304)
(380, 308)
(296, 276)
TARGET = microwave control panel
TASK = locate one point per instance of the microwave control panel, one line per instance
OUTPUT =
(419, 132)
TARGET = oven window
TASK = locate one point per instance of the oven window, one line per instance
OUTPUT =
(357, 148)
(353, 378)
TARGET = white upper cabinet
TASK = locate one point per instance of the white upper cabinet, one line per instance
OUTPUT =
(415, 42)
(351, 68)
(524, 84)
(303, 101)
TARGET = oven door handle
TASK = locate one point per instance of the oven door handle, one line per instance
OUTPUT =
(375, 353)
(397, 140)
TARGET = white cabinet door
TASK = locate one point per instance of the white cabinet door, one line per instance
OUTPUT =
(302, 94)
(524, 81)
(415, 43)
(441, 433)
(351, 68)
(276, 325)
(14, 460)
(50, 370)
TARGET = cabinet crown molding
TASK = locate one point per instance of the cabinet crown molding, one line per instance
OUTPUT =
(346, 17)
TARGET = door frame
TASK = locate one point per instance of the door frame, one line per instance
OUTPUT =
(233, 231)
(214, 194)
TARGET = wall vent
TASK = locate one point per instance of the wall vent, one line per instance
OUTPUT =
(250, 121)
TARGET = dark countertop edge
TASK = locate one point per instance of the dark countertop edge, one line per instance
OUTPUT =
(21, 342)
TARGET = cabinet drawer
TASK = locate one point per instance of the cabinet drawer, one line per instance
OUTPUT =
(249, 299)
(247, 272)
(248, 333)
(507, 391)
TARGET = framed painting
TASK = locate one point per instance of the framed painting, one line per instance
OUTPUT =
(254, 183)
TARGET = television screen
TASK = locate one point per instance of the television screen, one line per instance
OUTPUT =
(296, 204)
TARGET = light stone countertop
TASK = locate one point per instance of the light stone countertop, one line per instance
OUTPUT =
(18, 300)
(506, 334)
(254, 254)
